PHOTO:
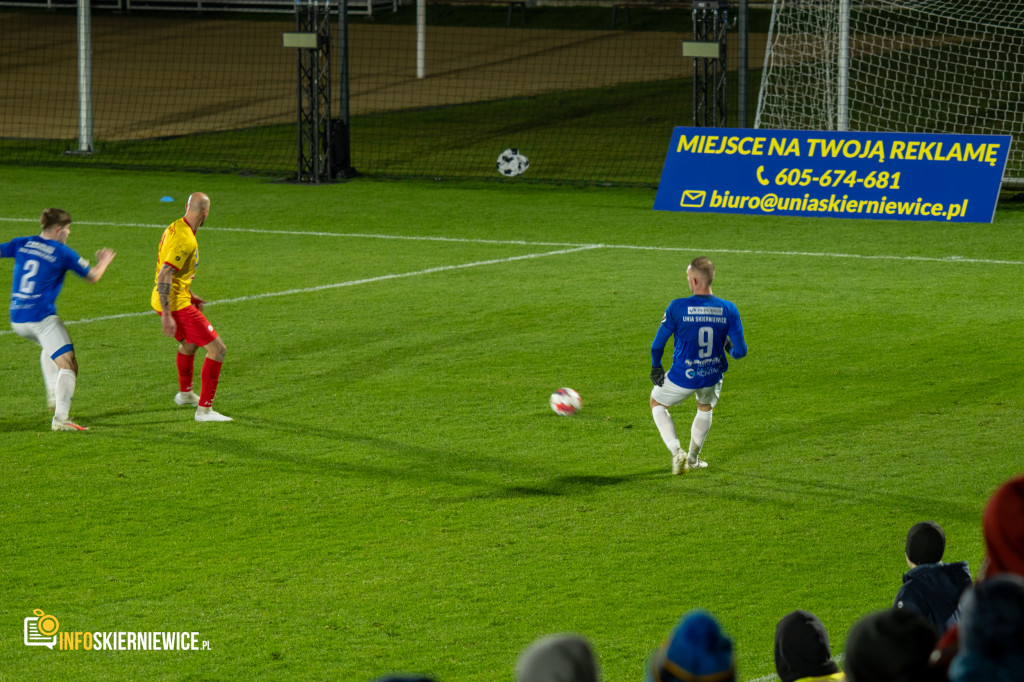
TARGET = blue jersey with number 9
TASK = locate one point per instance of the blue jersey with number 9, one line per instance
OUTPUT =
(699, 325)
(39, 267)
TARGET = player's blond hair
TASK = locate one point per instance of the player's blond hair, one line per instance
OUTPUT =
(54, 217)
(705, 267)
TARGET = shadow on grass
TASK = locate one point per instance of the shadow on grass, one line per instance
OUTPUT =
(566, 486)
(780, 492)
(122, 417)
(342, 455)
(326, 453)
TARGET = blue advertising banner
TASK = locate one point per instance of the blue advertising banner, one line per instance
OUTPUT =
(883, 176)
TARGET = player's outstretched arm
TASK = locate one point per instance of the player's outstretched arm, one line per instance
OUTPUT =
(103, 259)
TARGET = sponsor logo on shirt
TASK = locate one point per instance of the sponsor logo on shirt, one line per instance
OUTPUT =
(704, 310)
(39, 250)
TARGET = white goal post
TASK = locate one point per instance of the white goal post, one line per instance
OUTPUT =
(927, 66)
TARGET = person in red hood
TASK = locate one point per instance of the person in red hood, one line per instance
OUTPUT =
(1002, 526)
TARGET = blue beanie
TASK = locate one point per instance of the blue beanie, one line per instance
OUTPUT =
(696, 651)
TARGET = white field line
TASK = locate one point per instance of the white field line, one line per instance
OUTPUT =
(570, 247)
(519, 242)
(349, 283)
(764, 678)
(414, 273)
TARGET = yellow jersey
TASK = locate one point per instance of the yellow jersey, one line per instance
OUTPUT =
(180, 250)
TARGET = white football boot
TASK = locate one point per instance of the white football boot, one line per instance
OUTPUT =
(207, 414)
(66, 425)
(695, 463)
(186, 398)
(678, 462)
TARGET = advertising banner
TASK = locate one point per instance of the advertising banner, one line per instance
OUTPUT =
(882, 176)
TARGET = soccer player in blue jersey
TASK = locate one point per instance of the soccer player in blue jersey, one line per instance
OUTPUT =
(40, 264)
(705, 328)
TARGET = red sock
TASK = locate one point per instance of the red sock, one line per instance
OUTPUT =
(209, 375)
(185, 363)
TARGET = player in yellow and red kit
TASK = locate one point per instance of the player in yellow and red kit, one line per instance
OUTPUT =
(181, 312)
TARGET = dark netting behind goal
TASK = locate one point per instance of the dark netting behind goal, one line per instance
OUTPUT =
(584, 100)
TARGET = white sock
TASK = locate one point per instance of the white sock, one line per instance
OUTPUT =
(666, 427)
(63, 391)
(699, 431)
(49, 376)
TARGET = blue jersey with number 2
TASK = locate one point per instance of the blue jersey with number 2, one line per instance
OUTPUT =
(39, 267)
(699, 325)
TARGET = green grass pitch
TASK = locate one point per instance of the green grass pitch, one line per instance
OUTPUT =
(395, 494)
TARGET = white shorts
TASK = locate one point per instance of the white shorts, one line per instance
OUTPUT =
(49, 333)
(669, 394)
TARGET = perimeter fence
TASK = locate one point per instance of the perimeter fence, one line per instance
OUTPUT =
(589, 93)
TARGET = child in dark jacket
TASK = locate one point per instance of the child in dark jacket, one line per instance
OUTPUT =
(930, 587)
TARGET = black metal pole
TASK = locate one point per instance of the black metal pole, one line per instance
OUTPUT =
(341, 137)
(742, 82)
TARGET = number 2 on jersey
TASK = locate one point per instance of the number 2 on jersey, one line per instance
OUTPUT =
(27, 286)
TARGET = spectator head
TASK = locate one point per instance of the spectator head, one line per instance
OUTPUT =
(558, 658)
(1003, 527)
(992, 632)
(802, 648)
(697, 649)
(891, 646)
(926, 543)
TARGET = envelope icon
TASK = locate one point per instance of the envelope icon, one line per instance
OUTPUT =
(693, 198)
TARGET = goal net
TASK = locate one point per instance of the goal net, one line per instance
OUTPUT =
(925, 66)
(589, 94)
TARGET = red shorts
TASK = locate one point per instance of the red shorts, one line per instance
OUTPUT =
(193, 327)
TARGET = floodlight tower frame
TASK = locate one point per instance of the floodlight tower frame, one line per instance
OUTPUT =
(710, 23)
(314, 91)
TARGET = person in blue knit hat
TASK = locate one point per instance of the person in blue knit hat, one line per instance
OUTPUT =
(696, 651)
